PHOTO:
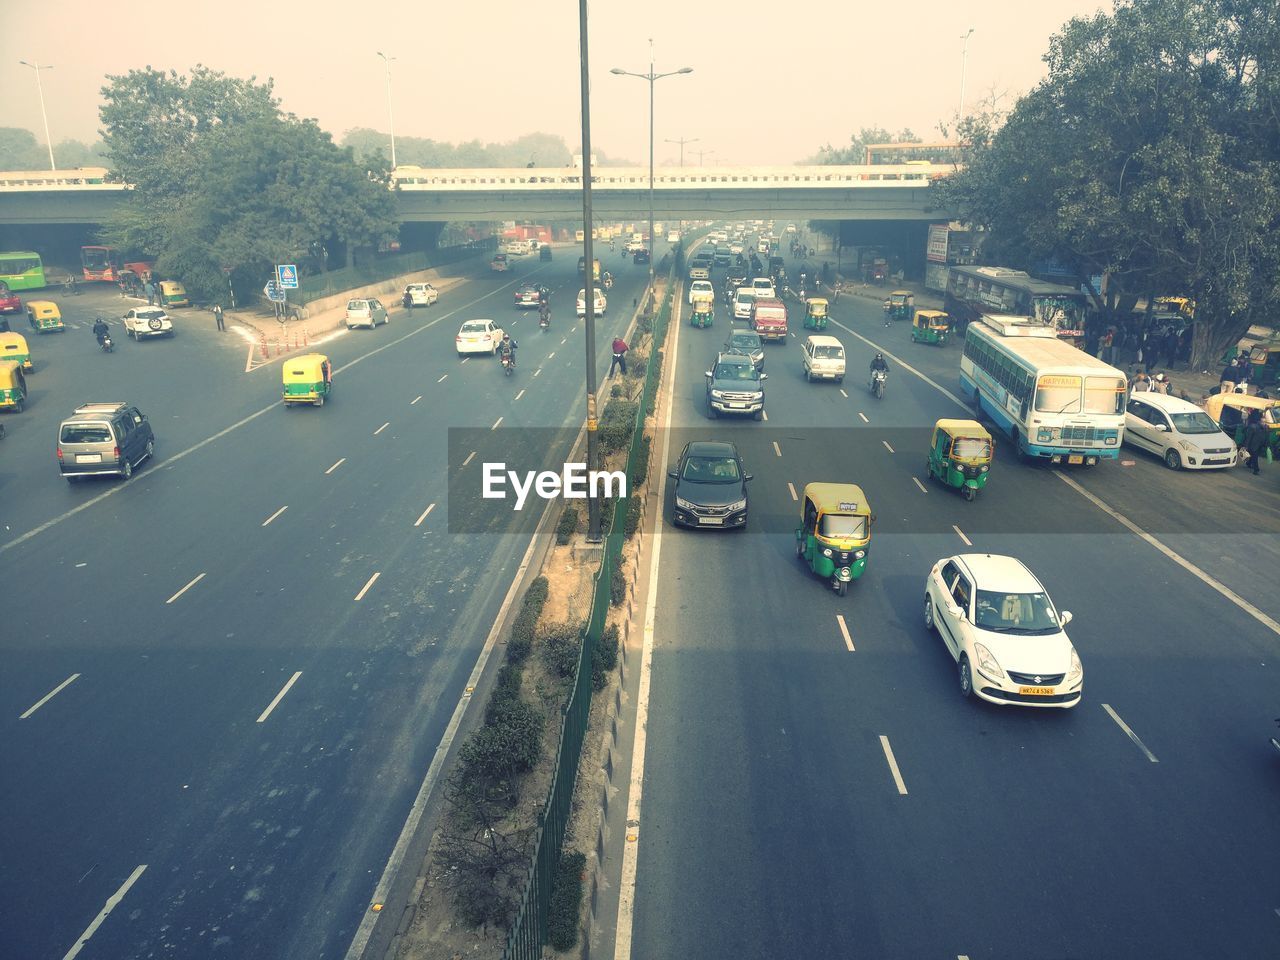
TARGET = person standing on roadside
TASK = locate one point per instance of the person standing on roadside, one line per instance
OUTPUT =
(217, 316)
(1255, 440)
(619, 356)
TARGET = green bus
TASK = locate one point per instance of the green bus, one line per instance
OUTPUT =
(21, 270)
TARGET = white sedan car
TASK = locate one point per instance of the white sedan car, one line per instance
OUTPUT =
(478, 336)
(1001, 628)
(599, 303)
(701, 288)
(147, 322)
(421, 294)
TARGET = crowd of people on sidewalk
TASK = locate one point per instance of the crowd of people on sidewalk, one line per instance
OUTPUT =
(1128, 344)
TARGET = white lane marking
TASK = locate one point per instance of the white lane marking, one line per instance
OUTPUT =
(886, 445)
(538, 371)
(843, 394)
(381, 428)
(464, 360)
(764, 414)
(274, 515)
(279, 696)
(863, 416)
(902, 363)
(893, 766)
(443, 379)
(919, 484)
(335, 466)
(1129, 733)
(551, 355)
(635, 792)
(418, 522)
(564, 341)
(1177, 558)
(776, 449)
(470, 456)
(495, 423)
(185, 589)
(793, 336)
(50, 695)
(844, 631)
(365, 588)
(419, 396)
(960, 534)
(79, 565)
(520, 394)
(792, 487)
(112, 902)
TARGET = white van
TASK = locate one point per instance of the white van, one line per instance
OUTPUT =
(743, 298)
(823, 358)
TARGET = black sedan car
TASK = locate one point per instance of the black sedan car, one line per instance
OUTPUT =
(710, 486)
(640, 256)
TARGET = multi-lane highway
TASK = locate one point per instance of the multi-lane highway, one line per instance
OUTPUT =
(224, 679)
(814, 784)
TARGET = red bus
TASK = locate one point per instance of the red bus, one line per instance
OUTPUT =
(100, 263)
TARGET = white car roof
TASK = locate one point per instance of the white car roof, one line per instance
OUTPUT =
(1001, 574)
(1162, 401)
(822, 340)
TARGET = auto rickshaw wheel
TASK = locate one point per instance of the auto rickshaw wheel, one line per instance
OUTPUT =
(320, 401)
(842, 588)
(969, 494)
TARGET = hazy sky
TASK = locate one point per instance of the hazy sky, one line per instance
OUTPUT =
(772, 82)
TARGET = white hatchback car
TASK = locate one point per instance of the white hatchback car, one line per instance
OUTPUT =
(598, 303)
(1001, 628)
(1178, 432)
(703, 287)
(478, 336)
(366, 312)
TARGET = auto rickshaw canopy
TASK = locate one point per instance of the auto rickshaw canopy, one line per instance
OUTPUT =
(932, 320)
(1241, 404)
(13, 346)
(817, 306)
(966, 440)
(823, 500)
(901, 298)
(308, 368)
(44, 310)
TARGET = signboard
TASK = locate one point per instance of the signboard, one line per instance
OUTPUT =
(287, 274)
(274, 291)
(935, 248)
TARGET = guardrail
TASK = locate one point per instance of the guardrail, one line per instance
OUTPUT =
(426, 179)
(78, 178)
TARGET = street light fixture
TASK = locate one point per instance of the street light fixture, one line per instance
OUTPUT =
(964, 60)
(682, 141)
(44, 116)
(390, 113)
(652, 77)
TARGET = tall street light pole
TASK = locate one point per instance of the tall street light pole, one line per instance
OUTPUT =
(964, 60)
(390, 113)
(703, 153)
(652, 77)
(594, 533)
(44, 116)
(682, 141)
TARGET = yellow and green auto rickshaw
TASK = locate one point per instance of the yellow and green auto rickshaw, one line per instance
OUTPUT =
(173, 294)
(960, 455)
(835, 532)
(1231, 411)
(307, 379)
(815, 313)
(13, 346)
(930, 326)
(44, 316)
(900, 305)
(703, 313)
(13, 386)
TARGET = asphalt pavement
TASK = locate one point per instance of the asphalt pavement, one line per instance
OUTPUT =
(226, 677)
(815, 785)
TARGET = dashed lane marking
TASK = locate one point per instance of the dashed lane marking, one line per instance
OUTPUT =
(520, 394)
(863, 416)
(49, 696)
(917, 482)
(381, 428)
(335, 466)
(792, 487)
(279, 696)
(274, 515)
(1129, 733)
(418, 522)
(495, 423)
(960, 534)
(886, 445)
(443, 379)
(538, 371)
(470, 456)
(186, 588)
(419, 396)
(893, 766)
(843, 394)
(365, 589)
(844, 631)
(112, 902)
(776, 449)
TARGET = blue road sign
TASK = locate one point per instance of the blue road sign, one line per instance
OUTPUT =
(287, 274)
(274, 291)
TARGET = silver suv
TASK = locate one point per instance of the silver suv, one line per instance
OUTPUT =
(104, 438)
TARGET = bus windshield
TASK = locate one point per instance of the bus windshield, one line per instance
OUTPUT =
(1104, 395)
(1058, 394)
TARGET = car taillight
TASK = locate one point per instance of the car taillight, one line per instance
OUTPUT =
(59, 453)
(117, 452)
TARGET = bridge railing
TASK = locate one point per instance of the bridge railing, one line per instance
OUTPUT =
(77, 178)
(407, 178)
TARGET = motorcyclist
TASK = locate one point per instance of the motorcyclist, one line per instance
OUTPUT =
(878, 363)
(507, 349)
(100, 330)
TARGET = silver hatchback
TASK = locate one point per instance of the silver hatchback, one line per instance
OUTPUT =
(366, 312)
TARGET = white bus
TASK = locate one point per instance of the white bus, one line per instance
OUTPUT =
(1053, 400)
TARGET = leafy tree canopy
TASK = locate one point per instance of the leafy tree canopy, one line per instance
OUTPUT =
(19, 150)
(539, 149)
(856, 151)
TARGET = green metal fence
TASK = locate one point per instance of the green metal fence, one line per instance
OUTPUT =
(529, 932)
(383, 268)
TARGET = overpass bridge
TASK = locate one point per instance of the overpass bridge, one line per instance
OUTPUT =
(879, 192)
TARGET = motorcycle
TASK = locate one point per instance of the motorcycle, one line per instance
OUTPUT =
(878, 379)
(106, 343)
(544, 322)
(508, 363)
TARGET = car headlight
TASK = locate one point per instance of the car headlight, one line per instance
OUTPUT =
(738, 505)
(683, 504)
(987, 663)
(717, 394)
(1188, 447)
(1076, 671)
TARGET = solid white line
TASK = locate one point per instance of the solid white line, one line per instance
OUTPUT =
(919, 484)
(49, 696)
(893, 766)
(843, 394)
(279, 696)
(886, 445)
(538, 371)
(1181, 561)
(635, 792)
(381, 428)
(274, 515)
(960, 534)
(112, 902)
(418, 397)
(495, 424)
(443, 379)
(844, 631)
(1129, 733)
(335, 466)
(418, 522)
(776, 449)
(365, 588)
(520, 394)
(185, 589)
(863, 416)
(470, 456)
(792, 487)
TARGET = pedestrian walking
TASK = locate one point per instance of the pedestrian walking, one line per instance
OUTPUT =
(1228, 384)
(619, 356)
(217, 316)
(1104, 344)
(1255, 440)
(150, 291)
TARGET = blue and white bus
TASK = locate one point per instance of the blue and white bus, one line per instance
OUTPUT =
(1053, 400)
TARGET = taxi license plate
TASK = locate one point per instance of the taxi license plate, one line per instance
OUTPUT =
(1036, 691)
(88, 458)
(712, 521)
(1075, 458)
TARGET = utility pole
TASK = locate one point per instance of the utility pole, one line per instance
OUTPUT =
(594, 533)
(43, 115)
(703, 153)
(964, 60)
(682, 141)
(390, 113)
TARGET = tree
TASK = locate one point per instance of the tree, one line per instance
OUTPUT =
(19, 150)
(856, 151)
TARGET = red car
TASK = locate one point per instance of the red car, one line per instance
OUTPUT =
(10, 302)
